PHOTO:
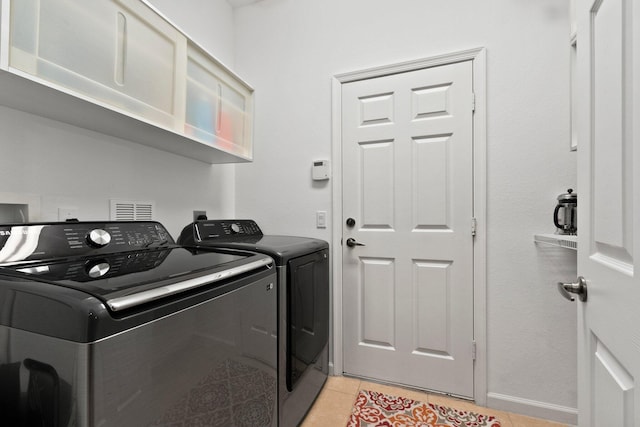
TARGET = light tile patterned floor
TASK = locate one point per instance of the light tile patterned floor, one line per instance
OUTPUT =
(333, 406)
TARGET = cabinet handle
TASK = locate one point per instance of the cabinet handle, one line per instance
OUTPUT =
(219, 115)
(121, 49)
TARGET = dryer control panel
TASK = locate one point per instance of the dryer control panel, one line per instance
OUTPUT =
(206, 230)
(224, 228)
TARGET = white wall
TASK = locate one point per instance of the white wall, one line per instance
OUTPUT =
(208, 22)
(289, 50)
(66, 166)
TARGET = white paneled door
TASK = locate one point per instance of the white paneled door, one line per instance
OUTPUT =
(407, 150)
(609, 212)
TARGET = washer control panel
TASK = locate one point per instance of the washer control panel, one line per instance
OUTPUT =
(32, 242)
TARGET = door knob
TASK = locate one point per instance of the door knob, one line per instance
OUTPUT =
(351, 222)
(351, 242)
(579, 288)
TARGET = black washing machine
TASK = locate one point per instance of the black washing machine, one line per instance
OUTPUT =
(112, 324)
(303, 305)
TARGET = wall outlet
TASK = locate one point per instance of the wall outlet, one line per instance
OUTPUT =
(67, 213)
(196, 214)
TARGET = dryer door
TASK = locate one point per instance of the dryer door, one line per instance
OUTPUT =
(307, 312)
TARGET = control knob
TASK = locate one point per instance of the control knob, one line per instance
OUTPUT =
(235, 228)
(98, 238)
(97, 269)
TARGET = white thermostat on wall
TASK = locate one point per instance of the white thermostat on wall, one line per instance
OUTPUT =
(321, 170)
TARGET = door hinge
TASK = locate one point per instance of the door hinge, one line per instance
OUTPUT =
(473, 350)
(473, 102)
(474, 225)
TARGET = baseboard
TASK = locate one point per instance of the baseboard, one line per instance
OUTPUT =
(533, 408)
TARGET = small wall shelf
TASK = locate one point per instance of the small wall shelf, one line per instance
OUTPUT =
(561, 240)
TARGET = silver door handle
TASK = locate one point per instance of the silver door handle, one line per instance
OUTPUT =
(579, 288)
(351, 242)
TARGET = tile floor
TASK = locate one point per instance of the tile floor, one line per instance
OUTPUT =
(333, 406)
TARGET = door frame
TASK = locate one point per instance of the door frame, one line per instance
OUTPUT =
(478, 58)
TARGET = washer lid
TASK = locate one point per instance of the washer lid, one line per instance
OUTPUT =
(75, 310)
(280, 248)
(125, 280)
(283, 248)
(245, 234)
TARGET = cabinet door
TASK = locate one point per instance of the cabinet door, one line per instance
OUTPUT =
(150, 59)
(118, 52)
(57, 39)
(218, 107)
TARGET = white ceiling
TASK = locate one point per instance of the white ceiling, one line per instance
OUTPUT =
(240, 3)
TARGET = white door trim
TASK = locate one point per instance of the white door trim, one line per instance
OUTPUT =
(478, 56)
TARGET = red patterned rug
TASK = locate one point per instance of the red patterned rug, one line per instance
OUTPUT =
(373, 409)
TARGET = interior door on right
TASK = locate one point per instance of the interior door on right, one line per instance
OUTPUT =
(609, 212)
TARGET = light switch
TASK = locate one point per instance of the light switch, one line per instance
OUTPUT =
(321, 219)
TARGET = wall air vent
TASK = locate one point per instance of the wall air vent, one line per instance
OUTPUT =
(127, 210)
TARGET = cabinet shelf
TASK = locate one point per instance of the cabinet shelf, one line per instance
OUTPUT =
(25, 94)
(561, 240)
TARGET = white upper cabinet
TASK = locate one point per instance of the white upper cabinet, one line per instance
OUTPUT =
(219, 109)
(118, 67)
